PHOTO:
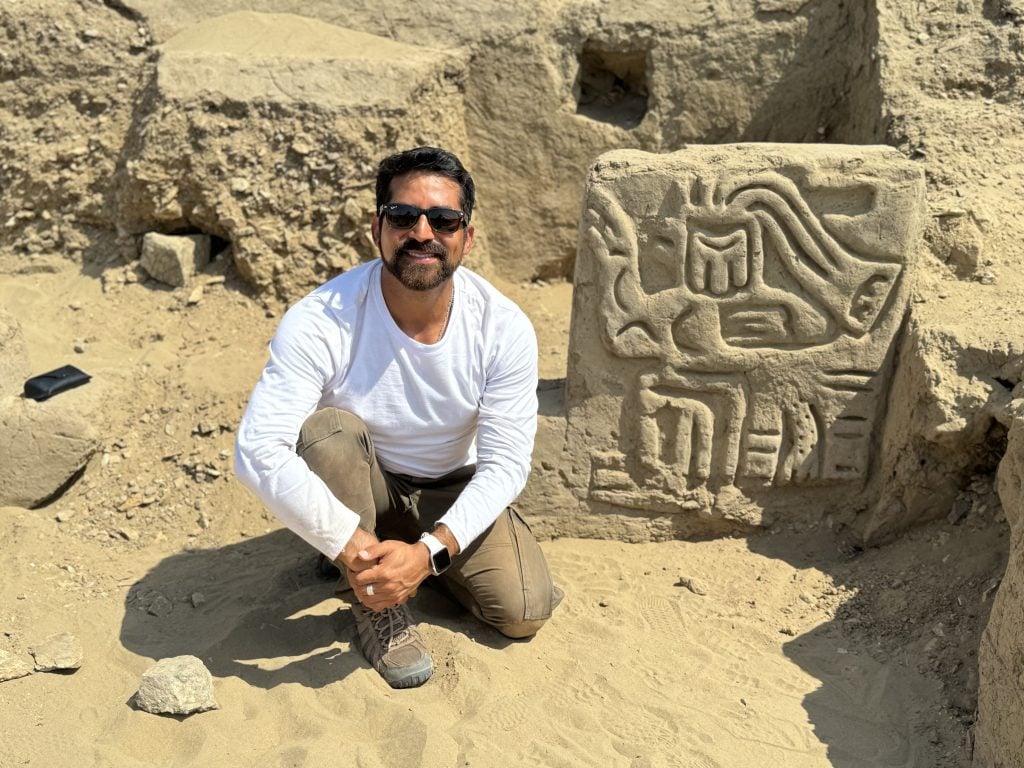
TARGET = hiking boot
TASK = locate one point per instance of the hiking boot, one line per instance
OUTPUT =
(390, 642)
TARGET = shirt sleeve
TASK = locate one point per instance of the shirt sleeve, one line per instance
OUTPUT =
(506, 428)
(303, 360)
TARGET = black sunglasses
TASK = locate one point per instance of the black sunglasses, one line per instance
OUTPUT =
(402, 216)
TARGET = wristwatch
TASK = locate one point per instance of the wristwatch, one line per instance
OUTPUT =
(440, 557)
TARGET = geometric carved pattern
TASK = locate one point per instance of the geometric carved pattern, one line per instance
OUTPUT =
(746, 299)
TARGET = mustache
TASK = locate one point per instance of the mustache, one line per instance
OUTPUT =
(430, 246)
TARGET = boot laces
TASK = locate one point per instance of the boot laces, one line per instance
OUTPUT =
(390, 626)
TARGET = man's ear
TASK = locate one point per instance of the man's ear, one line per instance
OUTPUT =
(375, 230)
(470, 237)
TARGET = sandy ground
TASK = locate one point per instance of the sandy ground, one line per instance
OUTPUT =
(786, 649)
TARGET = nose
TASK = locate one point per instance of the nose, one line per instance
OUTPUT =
(421, 230)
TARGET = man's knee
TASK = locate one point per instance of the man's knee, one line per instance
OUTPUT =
(328, 423)
(521, 629)
(516, 614)
(325, 429)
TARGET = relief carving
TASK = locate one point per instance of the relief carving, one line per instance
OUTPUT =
(750, 329)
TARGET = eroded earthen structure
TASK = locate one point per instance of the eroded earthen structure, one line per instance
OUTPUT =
(734, 317)
(134, 116)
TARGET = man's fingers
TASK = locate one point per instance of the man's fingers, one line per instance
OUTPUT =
(380, 549)
(369, 575)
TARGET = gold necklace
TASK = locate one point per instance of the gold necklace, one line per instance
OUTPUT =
(447, 315)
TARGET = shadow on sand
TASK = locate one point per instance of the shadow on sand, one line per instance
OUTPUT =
(896, 664)
(260, 611)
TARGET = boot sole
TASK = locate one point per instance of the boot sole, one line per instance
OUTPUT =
(410, 677)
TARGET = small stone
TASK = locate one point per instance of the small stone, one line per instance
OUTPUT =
(79, 347)
(195, 297)
(353, 211)
(180, 685)
(174, 259)
(64, 515)
(57, 653)
(160, 606)
(11, 667)
(198, 598)
(694, 585)
(788, 631)
(240, 186)
(603, 603)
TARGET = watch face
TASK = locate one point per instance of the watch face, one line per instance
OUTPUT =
(442, 560)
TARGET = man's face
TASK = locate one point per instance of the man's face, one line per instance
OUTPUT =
(421, 258)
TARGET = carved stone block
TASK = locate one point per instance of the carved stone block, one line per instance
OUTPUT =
(734, 315)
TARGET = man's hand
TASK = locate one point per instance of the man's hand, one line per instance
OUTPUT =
(353, 556)
(394, 568)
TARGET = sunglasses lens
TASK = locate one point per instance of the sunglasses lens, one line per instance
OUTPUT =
(444, 219)
(402, 216)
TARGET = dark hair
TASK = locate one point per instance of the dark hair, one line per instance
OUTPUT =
(431, 160)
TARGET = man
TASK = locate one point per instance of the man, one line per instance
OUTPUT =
(394, 422)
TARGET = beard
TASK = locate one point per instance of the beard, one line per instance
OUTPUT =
(416, 275)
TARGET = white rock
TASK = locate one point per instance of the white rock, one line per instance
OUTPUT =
(179, 685)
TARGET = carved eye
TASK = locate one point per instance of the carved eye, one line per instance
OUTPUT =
(660, 264)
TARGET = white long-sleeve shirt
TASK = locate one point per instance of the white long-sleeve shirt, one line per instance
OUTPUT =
(471, 398)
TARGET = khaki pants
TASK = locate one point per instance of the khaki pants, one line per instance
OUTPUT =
(502, 577)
